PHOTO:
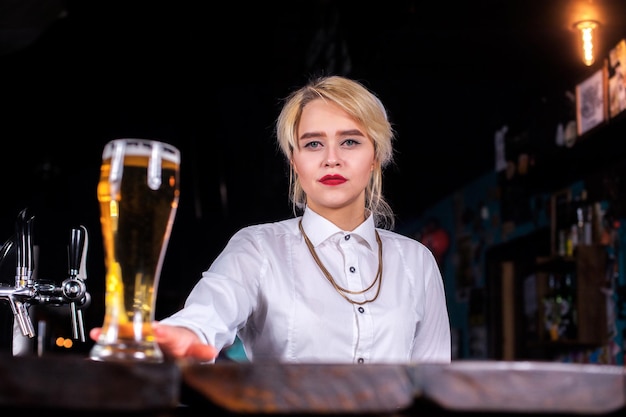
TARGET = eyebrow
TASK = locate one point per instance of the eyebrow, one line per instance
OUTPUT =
(351, 132)
(309, 135)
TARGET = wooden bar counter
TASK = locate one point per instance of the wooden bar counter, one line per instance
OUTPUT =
(76, 386)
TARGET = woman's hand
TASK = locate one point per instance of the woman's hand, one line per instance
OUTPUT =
(176, 342)
(180, 342)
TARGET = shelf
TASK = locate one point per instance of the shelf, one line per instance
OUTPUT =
(557, 167)
(588, 267)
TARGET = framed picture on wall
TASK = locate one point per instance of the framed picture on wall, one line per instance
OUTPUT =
(591, 102)
(617, 78)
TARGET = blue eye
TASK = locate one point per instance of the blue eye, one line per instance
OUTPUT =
(313, 144)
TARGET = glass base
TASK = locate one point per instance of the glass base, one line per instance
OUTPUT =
(126, 352)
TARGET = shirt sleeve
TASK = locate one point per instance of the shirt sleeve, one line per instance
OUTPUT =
(225, 296)
(433, 341)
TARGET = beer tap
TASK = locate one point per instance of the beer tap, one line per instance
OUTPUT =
(27, 291)
(24, 290)
(74, 288)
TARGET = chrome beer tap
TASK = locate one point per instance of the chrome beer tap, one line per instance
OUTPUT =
(24, 289)
(73, 287)
(27, 291)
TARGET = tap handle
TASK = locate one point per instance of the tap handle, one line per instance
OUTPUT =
(74, 288)
(30, 258)
(6, 249)
(25, 259)
(20, 236)
(77, 252)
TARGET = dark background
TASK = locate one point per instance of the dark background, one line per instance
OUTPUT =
(208, 77)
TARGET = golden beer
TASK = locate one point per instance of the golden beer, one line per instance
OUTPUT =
(138, 193)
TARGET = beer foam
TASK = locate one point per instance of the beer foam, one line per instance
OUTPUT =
(142, 147)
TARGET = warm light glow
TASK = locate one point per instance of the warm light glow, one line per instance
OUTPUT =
(63, 342)
(588, 39)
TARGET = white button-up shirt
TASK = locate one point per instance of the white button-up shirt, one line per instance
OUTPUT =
(266, 287)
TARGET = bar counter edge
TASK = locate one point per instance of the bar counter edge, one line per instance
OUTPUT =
(75, 385)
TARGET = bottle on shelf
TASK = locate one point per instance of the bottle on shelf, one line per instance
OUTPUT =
(569, 323)
(551, 309)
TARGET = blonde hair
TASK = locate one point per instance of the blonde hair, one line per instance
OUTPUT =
(362, 105)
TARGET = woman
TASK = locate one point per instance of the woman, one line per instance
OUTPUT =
(333, 284)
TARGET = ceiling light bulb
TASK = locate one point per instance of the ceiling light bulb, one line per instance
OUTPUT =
(587, 31)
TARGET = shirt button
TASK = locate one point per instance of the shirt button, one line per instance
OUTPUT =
(352, 269)
(347, 237)
(361, 360)
(361, 310)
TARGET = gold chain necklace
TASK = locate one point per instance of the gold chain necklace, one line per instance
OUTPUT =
(343, 291)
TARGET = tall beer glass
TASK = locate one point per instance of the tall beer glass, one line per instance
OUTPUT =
(138, 194)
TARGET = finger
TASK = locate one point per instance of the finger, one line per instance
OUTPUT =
(163, 334)
(202, 352)
(94, 333)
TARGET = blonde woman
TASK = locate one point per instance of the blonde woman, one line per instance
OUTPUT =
(333, 284)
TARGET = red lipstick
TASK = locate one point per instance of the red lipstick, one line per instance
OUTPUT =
(332, 180)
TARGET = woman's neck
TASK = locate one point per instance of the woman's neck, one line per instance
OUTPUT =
(345, 219)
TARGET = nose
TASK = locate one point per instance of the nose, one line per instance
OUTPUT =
(332, 159)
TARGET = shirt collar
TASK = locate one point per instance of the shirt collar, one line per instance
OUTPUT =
(318, 229)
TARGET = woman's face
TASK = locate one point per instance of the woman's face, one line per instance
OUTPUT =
(334, 159)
